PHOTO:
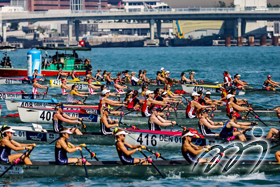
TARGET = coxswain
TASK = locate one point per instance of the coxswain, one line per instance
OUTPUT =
(59, 117)
(36, 74)
(155, 121)
(189, 150)
(119, 88)
(104, 101)
(71, 98)
(149, 102)
(36, 85)
(227, 79)
(237, 83)
(60, 74)
(232, 107)
(160, 80)
(134, 80)
(8, 144)
(205, 124)
(74, 77)
(228, 129)
(106, 123)
(98, 76)
(123, 149)
(270, 84)
(91, 87)
(63, 146)
(194, 108)
(184, 79)
(192, 80)
(64, 87)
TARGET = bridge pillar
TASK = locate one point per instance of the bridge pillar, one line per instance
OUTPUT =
(70, 26)
(152, 29)
(251, 41)
(263, 41)
(275, 40)
(239, 32)
(158, 28)
(77, 29)
(4, 30)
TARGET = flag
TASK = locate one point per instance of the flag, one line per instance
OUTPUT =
(82, 43)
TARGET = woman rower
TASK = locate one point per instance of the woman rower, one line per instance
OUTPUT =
(122, 149)
(270, 84)
(8, 144)
(160, 80)
(184, 79)
(62, 147)
(192, 80)
(104, 75)
(88, 76)
(64, 87)
(60, 74)
(155, 121)
(149, 102)
(119, 88)
(189, 150)
(109, 80)
(71, 98)
(36, 85)
(35, 74)
(228, 129)
(106, 123)
(170, 93)
(205, 124)
(144, 78)
(98, 76)
(59, 117)
(91, 87)
(237, 83)
(104, 101)
(134, 79)
(73, 76)
(209, 101)
(231, 106)
(237, 101)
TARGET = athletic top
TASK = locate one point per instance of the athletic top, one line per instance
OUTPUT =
(190, 157)
(265, 84)
(205, 131)
(190, 110)
(58, 76)
(201, 101)
(153, 126)
(63, 91)
(119, 91)
(61, 156)
(34, 76)
(145, 110)
(126, 160)
(134, 81)
(91, 91)
(104, 129)
(158, 98)
(226, 132)
(34, 90)
(229, 110)
(72, 96)
(4, 154)
(57, 125)
(131, 104)
(108, 82)
(227, 80)
(100, 105)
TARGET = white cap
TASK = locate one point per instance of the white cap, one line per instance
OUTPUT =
(149, 92)
(238, 75)
(208, 93)
(195, 94)
(119, 133)
(162, 68)
(193, 72)
(188, 134)
(105, 91)
(167, 72)
(164, 93)
(130, 92)
(229, 96)
(9, 130)
(68, 131)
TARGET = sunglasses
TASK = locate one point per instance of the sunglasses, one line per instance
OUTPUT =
(9, 132)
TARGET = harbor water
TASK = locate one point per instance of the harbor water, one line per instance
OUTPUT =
(252, 63)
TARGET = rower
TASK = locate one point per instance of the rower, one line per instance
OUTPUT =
(98, 76)
(205, 124)
(155, 121)
(228, 129)
(119, 88)
(223, 95)
(237, 101)
(208, 101)
(35, 74)
(62, 147)
(64, 87)
(106, 123)
(71, 98)
(59, 117)
(131, 100)
(36, 85)
(192, 80)
(237, 83)
(144, 78)
(149, 101)
(231, 106)
(143, 93)
(160, 80)
(91, 87)
(60, 74)
(134, 79)
(194, 108)
(104, 101)
(109, 80)
(122, 149)
(200, 98)
(73, 76)
(8, 144)
(170, 93)
(189, 150)
(270, 84)
(104, 75)
(273, 133)
(227, 79)
(88, 76)
(184, 79)
(127, 77)
(162, 72)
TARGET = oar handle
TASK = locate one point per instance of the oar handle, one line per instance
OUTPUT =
(92, 154)
(158, 155)
(84, 163)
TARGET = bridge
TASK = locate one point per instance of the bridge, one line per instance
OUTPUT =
(151, 15)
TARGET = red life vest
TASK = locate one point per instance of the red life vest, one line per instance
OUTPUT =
(190, 109)
(131, 103)
(144, 106)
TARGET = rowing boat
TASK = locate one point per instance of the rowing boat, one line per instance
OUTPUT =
(117, 169)
(13, 104)
(80, 84)
(6, 80)
(19, 95)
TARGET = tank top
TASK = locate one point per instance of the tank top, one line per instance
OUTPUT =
(190, 110)
(153, 126)
(4, 154)
(58, 76)
(226, 132)
(34, 76)
(123, 157)
(61, 156)
(205, 131)
(130, 104)
(265, 84)
(63, 91)
(229, 110)
(57, 125)
(34, 90)
(104, 129)
(190, 157)
(119, 91)
(100, 105)
(91, 91)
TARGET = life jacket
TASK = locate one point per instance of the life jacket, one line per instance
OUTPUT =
(130, 104)
(190, 109)
(34, 90)
(63, 91)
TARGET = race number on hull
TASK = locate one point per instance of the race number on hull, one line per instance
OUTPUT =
(33, 104)
(204, 89)
(47, 116)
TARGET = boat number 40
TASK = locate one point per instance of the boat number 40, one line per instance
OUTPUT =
(48, 116)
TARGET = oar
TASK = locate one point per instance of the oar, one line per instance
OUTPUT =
(92, 154)
(84, 126)
(46, 92)
(175, 109)
(84, 163)
(131, 126)
(158, 155)
(184, 128)
(26, 153)
(85, 99)
(256, 116)
(152, 164)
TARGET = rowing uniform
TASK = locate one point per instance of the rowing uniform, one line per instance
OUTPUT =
(104, 129)
(190, 157)
(190, 111)
(134, 81)
(265, 85)
(201, 101)
(72, 96)
(229, 110)
(119, 91)
(57, 125)
(91, 91)
(206, 131)
(4, 154)
(226, 132)
(132, 102)
(159, 82)
(61, 156)
(34, 76)
(126, 160)
(145, 111)
(58, 76)
(63, 91)
(227, 81)
(34, 90)
(224, 94)
(100, 105)
(158, 98)
(153, 126)
(236, 85)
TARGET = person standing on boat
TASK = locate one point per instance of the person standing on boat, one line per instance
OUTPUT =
(123, 149)
(91, 87)
(8, 144)
(228, 129)
(184, 79)
(189, 150)
(36, 74)
(36, 85)
(232, 107)
(59, 117)
(106, 123)
(237, 83)
(62, 147)
(60, 74)
(205, 124)
(270, 84)
(155, 122)
(64, 87)
(73, 76)
(71, 98)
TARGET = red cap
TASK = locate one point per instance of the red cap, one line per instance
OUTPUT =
(235, 114)
(90, 80)
(268, 76)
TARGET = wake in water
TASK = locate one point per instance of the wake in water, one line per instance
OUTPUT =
(234, 177)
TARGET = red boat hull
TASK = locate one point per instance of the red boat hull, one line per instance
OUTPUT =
(16, 72)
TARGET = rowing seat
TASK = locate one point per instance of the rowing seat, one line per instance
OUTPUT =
(38, 128)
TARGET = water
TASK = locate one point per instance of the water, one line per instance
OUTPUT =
(253, 63)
